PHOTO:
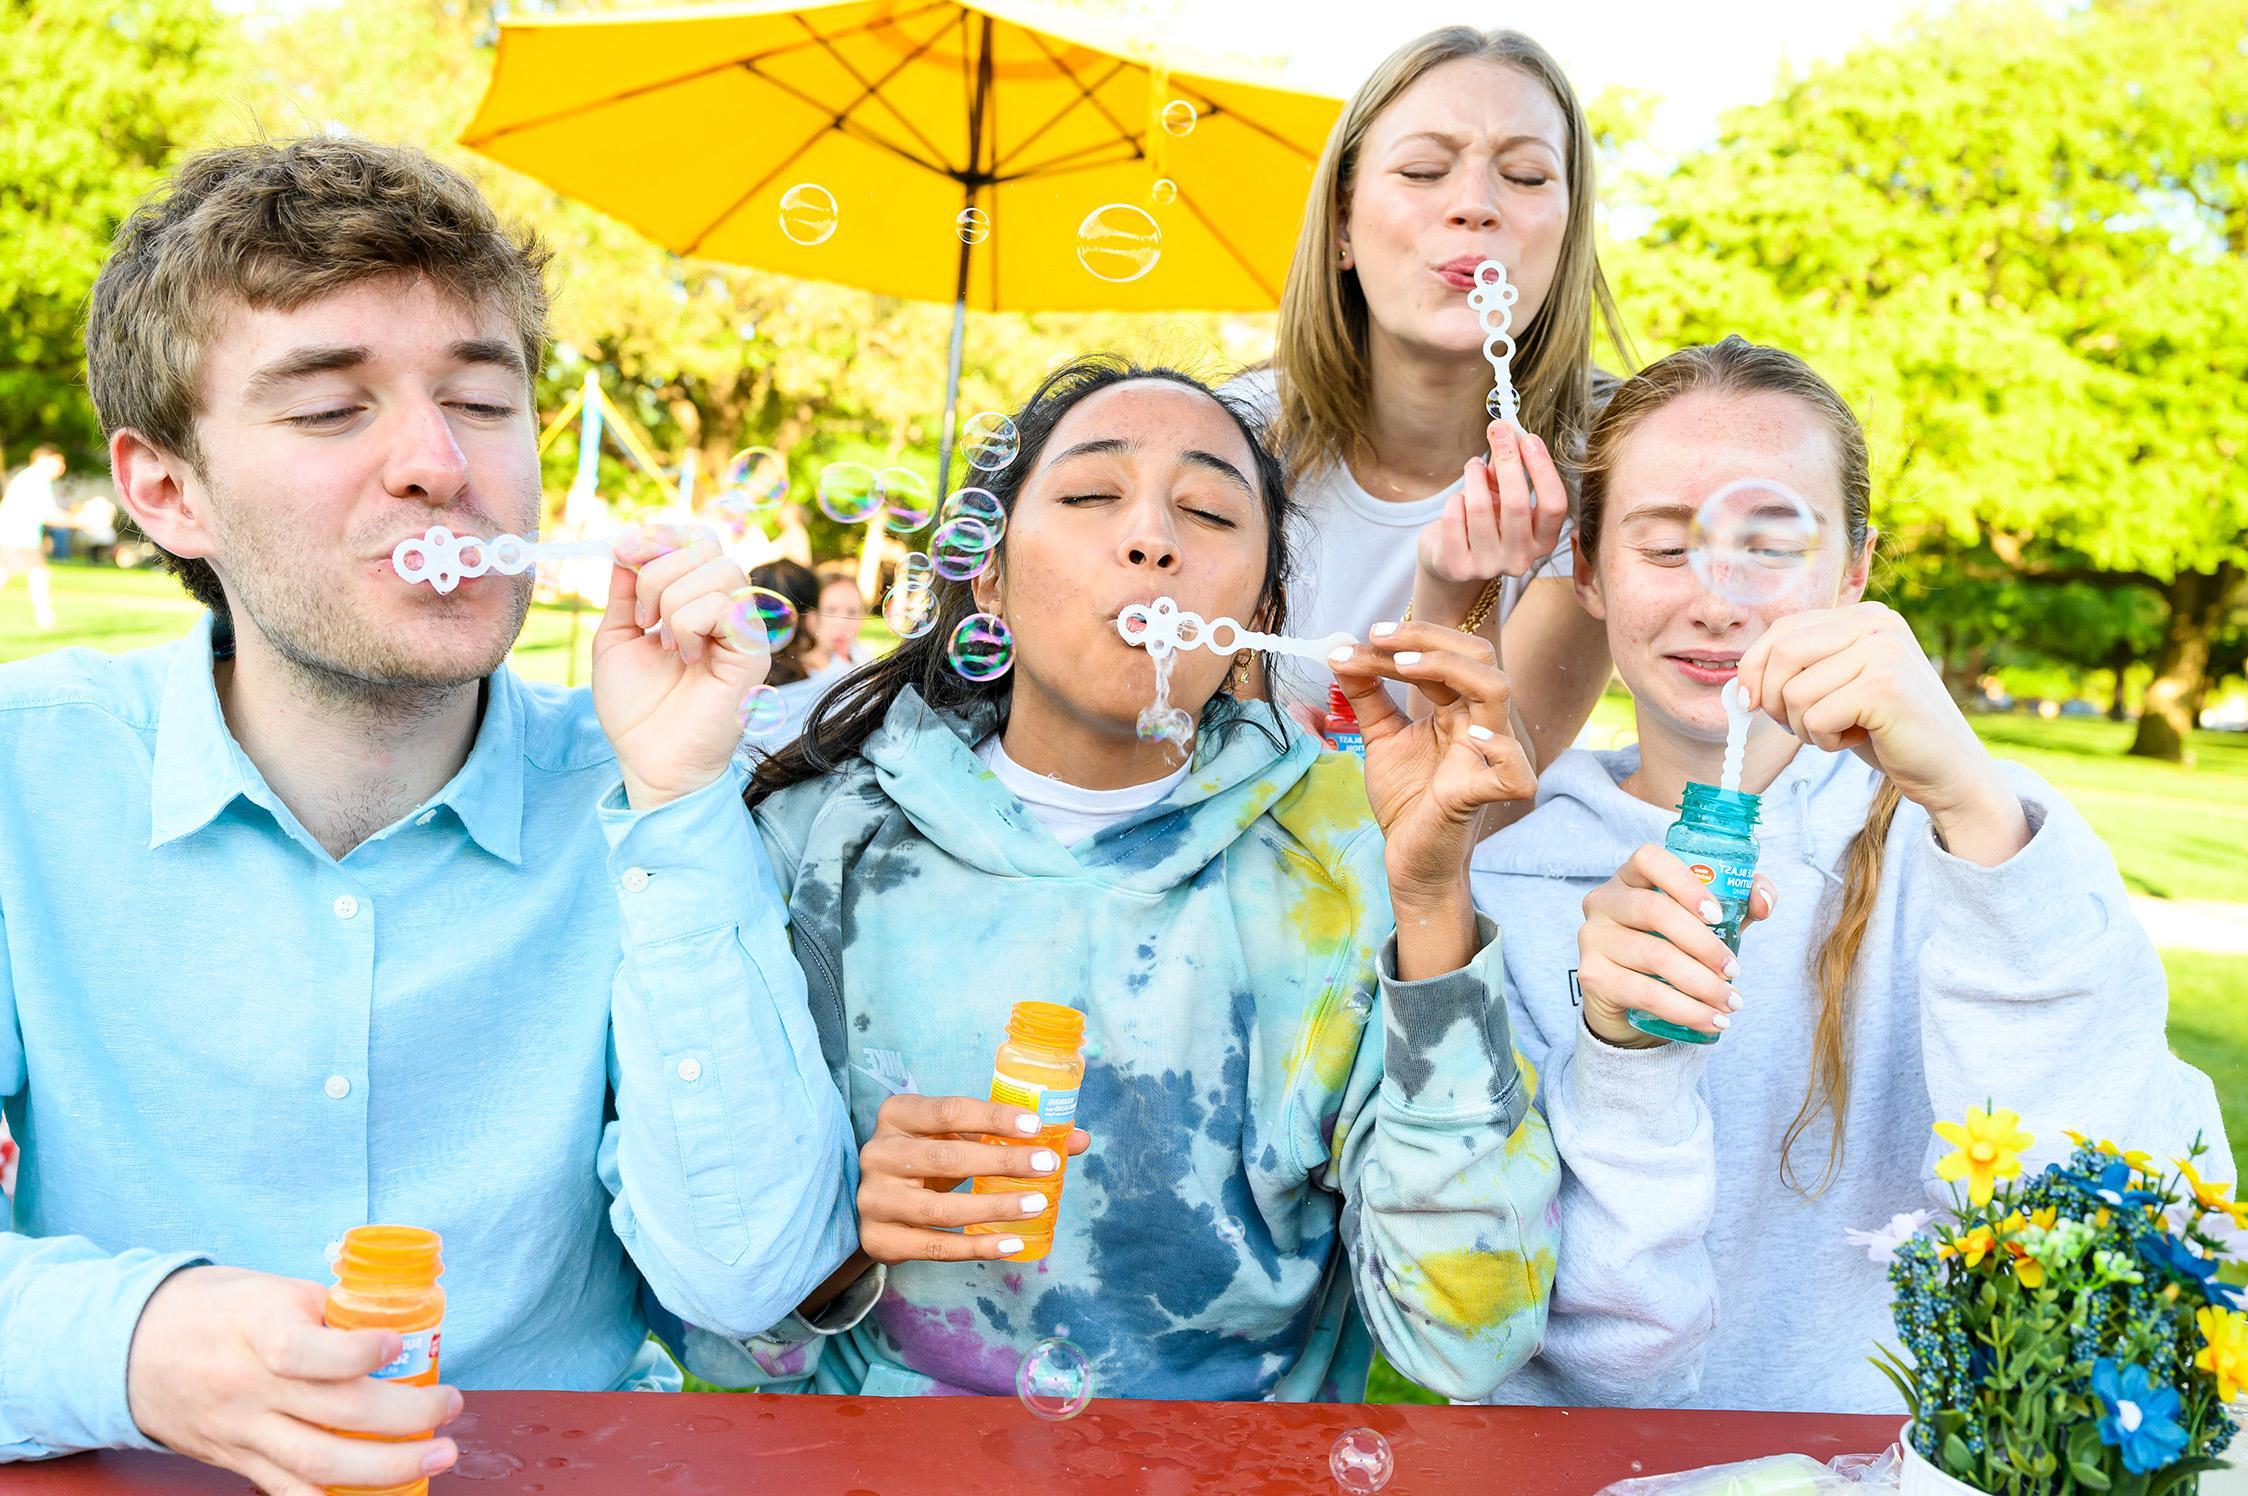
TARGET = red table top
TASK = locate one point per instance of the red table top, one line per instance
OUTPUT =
(578, 1443)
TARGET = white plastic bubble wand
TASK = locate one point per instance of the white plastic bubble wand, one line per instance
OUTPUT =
(1735, 698)
(1162, 626)
(1493, 299)
(442, 559)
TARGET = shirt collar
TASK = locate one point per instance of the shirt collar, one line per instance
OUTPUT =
(199, 770)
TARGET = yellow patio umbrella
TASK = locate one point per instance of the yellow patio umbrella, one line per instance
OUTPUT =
(694, 125)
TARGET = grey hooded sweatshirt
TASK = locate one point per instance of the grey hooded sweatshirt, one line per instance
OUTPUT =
(1690, 1275)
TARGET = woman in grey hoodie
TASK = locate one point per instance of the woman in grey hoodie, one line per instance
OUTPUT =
(1935, 930)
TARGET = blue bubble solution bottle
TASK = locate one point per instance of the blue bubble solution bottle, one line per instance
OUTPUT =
(1715, 836)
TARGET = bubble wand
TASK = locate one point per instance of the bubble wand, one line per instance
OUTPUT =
(1493, 299)
(442, 559)
(1161, 627)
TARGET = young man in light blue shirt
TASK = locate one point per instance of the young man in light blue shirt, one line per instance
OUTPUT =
(315, 917)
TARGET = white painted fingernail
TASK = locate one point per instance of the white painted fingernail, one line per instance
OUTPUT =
(1044, 1161)
(1032, 1204)
(1382, 630)
(1732, 969)
(1343, 654)
(1721, 1021)
(1010, 1245)
(1732, 999)
(1711, 914)
(1771, 898)
(1480, 733)
(1409, 657)
(1026, 1123)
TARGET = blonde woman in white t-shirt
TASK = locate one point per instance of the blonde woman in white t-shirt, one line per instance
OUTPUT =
(1464, 145)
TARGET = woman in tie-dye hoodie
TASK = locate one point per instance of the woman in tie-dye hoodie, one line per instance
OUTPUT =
(1303, 1116)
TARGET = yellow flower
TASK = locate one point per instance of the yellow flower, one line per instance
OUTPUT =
(2026, 1267)
(2137, 1158)
(2224, 1354)
(2212, 1196)
(1990, 1147)
(1973, 1246)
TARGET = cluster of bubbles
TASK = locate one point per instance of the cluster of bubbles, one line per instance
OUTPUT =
(969, 525)
(1755, 542)
(1054, 1380)
(1116, 241)
(759, 620)
(1361, 1461)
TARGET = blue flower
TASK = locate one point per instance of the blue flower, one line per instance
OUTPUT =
(2141, 1416)
(2175, 1256)
(2112, 1188)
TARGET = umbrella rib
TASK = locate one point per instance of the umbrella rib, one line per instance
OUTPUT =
(1086, 94)
(1248, 266)
(748, 63)
(1068, 162)
(874, 90)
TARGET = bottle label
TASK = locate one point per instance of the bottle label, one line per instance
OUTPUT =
(1054, 1108)
(1347, 740)
(417, 1358)
(1732, 882)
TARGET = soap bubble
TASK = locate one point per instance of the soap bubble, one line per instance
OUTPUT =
(973, 225)
(761, 713)
(849, 493)
(916, 570)
(906, 500)
(909, 610)
(989, 441)
(808, 213)
(1755, 541)
(759, 613)
(1118, 242)
(982, 648)
(978, 504)
(1055, 1381)
(1230, 1231)
(1361, 1460)
(1360, 1006)
(1174, 725)
(962, 549)
(1179, 118)
(1164, 193)
(753, 482)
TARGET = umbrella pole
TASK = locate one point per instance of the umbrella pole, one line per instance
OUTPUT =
(952, 368)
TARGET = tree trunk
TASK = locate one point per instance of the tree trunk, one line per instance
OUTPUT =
(2198, 603)
(2119, 661)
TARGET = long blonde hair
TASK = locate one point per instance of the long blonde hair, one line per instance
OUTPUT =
(1739, 367)
(1320, 357)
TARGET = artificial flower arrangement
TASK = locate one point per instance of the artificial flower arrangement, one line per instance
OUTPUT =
(2068, 1331)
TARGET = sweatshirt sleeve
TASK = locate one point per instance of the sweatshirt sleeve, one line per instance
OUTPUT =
(2040, 992)
(1635, 1300)
(1449, 1175)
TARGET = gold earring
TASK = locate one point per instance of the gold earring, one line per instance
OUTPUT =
(1241, 671)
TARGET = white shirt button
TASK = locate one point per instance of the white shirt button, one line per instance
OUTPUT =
(690, 1071)
(347, 907)
(635, 879)
(338, 1087)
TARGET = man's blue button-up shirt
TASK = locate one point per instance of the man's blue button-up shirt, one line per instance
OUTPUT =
(218, 1043)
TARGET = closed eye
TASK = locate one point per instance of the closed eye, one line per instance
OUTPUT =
(1213, 518)
(490, 412)
(324, 418)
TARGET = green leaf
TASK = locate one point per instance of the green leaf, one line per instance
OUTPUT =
(2090, 1477)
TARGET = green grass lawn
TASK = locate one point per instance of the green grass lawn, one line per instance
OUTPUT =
(2179, 833)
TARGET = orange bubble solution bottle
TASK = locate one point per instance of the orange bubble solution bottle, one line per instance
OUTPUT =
(1040, 1066)
(386, 1279)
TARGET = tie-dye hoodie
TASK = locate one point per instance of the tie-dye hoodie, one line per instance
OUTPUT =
(1288, 1144)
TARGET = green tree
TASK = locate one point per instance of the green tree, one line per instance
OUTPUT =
(2018, 239)
(101, 95)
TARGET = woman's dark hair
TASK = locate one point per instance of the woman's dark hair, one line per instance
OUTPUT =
(796, 582)
(847, 716)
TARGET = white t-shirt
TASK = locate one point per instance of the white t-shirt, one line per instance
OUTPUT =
(1070, 814)
(28, 504)
(1354, 554)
